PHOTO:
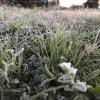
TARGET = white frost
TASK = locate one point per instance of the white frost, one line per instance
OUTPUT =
(81, 86)
(65, 66)
(68, 68)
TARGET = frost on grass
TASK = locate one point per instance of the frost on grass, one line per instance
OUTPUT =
(69, 77)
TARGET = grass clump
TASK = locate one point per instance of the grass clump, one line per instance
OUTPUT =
(77, 48)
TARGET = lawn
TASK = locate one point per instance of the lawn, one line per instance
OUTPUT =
(49, 54)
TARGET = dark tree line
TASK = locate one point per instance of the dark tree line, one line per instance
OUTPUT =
(31, 3)
(27, 3)
(92, 4)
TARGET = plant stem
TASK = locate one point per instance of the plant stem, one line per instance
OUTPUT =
(48, 90)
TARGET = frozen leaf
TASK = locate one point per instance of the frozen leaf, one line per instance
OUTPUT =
(65, 79)
(2, 74)
(81, 86)
(65, 66)
(24, 96)
(15, 81)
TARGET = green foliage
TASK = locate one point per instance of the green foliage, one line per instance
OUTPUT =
(14, 26)
(93, 74)
(95, 89)
(32, 46)
(81, 97)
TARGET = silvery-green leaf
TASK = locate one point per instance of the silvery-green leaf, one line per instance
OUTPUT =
(2, 74)
(93, 74)
(81, 97)
(11, 52)
(15, 81)
(65, 79)
(81, 86)
(19, 52)
(24, 96)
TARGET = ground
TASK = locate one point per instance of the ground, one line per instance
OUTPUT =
(49, 12)
(35, 42)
